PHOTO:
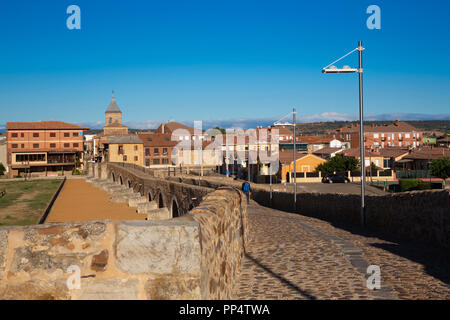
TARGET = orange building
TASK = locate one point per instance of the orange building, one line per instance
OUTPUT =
(397, 134)
(43, 148)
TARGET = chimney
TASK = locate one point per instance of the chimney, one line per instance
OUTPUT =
(163, 128)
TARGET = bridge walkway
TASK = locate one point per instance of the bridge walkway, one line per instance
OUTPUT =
(290, 256)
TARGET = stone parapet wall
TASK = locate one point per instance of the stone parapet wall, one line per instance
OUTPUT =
(196, 256)
(421, 216)
(222, 216)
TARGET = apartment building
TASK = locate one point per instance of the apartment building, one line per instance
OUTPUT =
(43, 148)
(396, 134)
(158, 149)
(125, 149)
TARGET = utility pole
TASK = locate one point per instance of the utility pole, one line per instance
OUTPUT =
(295, 164)
(361, 133)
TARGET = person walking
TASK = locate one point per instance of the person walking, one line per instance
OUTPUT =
(246, 189)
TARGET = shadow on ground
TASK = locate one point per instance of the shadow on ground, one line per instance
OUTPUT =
(435, 260)
(279, 277)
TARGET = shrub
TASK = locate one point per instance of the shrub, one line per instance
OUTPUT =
(2, 169)
(413, 184)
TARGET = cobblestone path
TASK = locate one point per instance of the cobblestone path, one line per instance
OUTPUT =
(290, 256)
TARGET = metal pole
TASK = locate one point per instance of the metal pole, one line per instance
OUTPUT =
(295, 164)
(270, 175)
(361, 134)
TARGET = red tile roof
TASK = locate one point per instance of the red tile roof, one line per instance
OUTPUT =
(157, 139)
(43, 125)
(170, 127)
(397, 126)
(428, 154)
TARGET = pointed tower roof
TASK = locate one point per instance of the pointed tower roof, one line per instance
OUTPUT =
(113, 107)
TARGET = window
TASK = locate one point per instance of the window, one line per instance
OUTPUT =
(75, 145)
(52, 145)
(155, 161)
(147, 162)
(147, 152)
(22, 135)
(52, 135)
(124, 158)
(66, 145)
(135, 148)
(66, 134)
(14, 135)
(375, 135)
(30, 157)
(149, 139)
(156, 151)
(110, 120)
(165, 161)
(75, 134)
(22, 146)
(407, 135)
(136, 158)
(36, 146)
(165, 151)
(120, 149)
(35, 135)
(14, 146)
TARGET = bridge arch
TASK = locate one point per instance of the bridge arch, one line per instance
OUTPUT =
(113, 176)
(174, 208)
(121, 180)
(160, 199)
(149, 196)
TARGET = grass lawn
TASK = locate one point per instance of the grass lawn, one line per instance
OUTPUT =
(25, 201)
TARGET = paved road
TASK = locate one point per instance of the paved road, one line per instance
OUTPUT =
(291, 256)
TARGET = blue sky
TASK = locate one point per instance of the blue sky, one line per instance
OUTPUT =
(208, 60)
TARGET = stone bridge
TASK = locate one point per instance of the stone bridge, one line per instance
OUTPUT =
(160, 198)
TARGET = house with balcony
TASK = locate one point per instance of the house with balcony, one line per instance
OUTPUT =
(43, 148)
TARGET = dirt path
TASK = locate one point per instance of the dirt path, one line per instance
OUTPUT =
(81, 201)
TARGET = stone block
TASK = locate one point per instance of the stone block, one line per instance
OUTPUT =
(35, 290)
(145, 207)
(133, 202)
(158, 247)
(100, 261)
(173, 287)
(3, 246)
(158, 214)
(123, 197)
(107, 289)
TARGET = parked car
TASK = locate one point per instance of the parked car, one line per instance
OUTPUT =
(335, 178)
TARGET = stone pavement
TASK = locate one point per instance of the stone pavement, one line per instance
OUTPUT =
(290, 256)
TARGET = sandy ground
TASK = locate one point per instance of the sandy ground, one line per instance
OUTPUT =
(81, 201)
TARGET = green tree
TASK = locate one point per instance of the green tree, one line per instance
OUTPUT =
(441, 168)
(2, 169)
(338, 163)
(221, 129)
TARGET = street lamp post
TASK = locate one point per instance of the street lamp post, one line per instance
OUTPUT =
(295, 164)
(346, 69)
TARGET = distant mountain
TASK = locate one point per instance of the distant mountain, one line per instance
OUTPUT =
(313, 123)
